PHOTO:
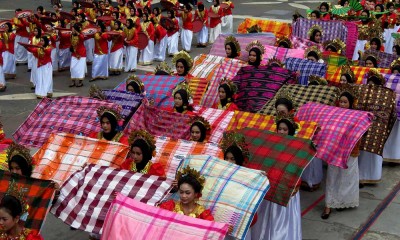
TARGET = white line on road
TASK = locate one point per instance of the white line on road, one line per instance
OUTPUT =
(261, 3)
(29, 96)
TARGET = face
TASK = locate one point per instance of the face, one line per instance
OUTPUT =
(313, 16)
(222, 93)
(178, 100)
(169, 14)
(136, 154)
(215, 2)
(377, 9)
(105, 125)
(252, 56)
(369, 63)
(317, 37)
(55, 7)
(374, 46)
(116, 26)
(132, 11)
(322, 9)
(391, 9)
(7, 222)
(364, 14)
(283, 129)
(195, 133)
(228, 50)
(180, 68)
(282, 109)
(35, 31)
(41, 42)
(14, 168)
(186, 193)
(230, 158)
(343, 79)
(395, 71)
(114, 15)
(144, 18)
(344, 102)
(311, 58)
(130, 89)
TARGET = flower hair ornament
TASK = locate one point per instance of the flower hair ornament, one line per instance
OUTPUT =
(275, 62)
(96, 92)
(232, 39)
(256, 44)
(289, 117)
(137, 80)
(185, 56)
(316, 80)
(145, 136)
(18, 193)
(283, 39)
(350, 89)
(163, 67)
(202, 121)
(346, 69)
(232, 138)
(313, 49)
(115, 112)
(187, 171)
(373, 72)
(315, 28)
(336, 43)
(18, 150)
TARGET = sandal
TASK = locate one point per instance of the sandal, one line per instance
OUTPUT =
(72, 84)
(80, 84)
(325, 215)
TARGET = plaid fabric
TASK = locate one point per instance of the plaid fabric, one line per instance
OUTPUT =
(198, 87)
(304, 43)
(129, 101)
(232, 193)
(331, 29)
(304, 94)
(359, 73)
(205, 66)
(340, 130)
(352, 37)
(228, 68)
(306, 68)
(158, 88)
(72, 114)
(282, 53)
(160, 122)
(219, 121)
(266, 122)
(86, 196)
(218, 47)
(63, 154)
(385, 59)
(37, 193)
(381, 102)
(155, 223)
(392, 82)
(258, 85)
(277, 28)
(282, 157)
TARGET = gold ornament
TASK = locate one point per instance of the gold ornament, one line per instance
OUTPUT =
(316, 80)
(350, 89)
(315, 28)
(232, 86)
(286, 116)
(346, 69)
(137, 80)
(313, 49)
(373, 72)
(18, 193)
(187, 171)
(338, 44)
(232, 138)
(283, 39)
(114, 112)
(95, 92)
(183, 86)
(232, 39)
(202, 121)
(163, 67)
(18, 150)
(146, 136)
(254, 29)
(275, 62)
(185, 56)
(395, 63)
(256, 44)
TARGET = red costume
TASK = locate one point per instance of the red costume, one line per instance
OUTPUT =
(202, 16)
(119, 137)
(174, 29)
(187, 19)
(8, 40)
(77, 43)
(199, 212)
(43, 55)
(101, 43)
(215, 21)
(151, 168)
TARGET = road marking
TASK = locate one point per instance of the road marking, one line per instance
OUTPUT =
(30, 96)
(261, 3)
(301, 6)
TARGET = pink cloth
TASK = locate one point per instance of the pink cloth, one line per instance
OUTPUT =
(281, 53)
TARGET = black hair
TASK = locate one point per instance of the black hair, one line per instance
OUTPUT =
(342, 2)
(373, 60)
(333, 49)
(284, 45)
(40, 8)
(136, 87)
(217, 3)
(326, 6)
(389, 4)
(317, 13)
(185, 101)
(286, 102)
(291, 129)
(258, 57)
(233, 50)
(396, 67)
(146, 153)
(114, 124)
(375, 80)
(237, 154)
(312, 37)
(201, 7)
(378, 43)
(77, 27)
(131, 24)
(116, 15)
(348, 77)
(349, 97)
(203, 130)
(26, 168)
(83, 16)
(39, 30)
(102, 25)
(147, 16)
(185, 66)
(188, 7)
(18, 10)
(313, 54)
(46, 41)
(11, 205)
(192, 181)
(228, 92)
(172, 12)
(9, 27)
(118, 23)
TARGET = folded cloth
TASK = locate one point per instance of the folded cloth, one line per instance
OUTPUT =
(306, 68)
(127, 100)
(359, 72)
(275, 27)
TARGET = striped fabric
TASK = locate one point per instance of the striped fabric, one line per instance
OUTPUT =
(127, 100)
(72, 114)
(219, 121)
(385, 59)
(267, 122)
(392, 82)
(87, 195)
(359, 73)
(352, 37)
(282, 53)
(333, 60)
(331, 29)
(306, 68)
(340, 130)
(304, 43)
(232, 193)
(63, 154)
(198, 87)
(205, 66)
(275, 27)
(155, 223)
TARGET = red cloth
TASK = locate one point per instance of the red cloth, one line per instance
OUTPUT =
(101, 43)
(43, 55)
(155, 169)
(232, 107)
(170, 206)
(9, 43)
(215, 21)
(79, 50)
(34, 235)
(65, 39)
(1, 56)
(123, 139)
(134, 39)
(150, 31)
(172, 31)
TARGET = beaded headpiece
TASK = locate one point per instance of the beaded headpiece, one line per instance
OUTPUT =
(286, 116)
(146, 136)
(275, 61)
(137, 80)
(314, 28)
(16, 149)
(18, 193)
(284, 93)
(373, 72)
(232, 39)
(316, 80)
(392, 65)
(202, 121)
(350, 89)
(183, 86)
(285, 40)
(313, 49)
(235, 139)
(163, 67)
(256, 44)
(95, 92)
(185, 56)
(114, 112)
(232, 86)
(336, 43)
(347, 70)
(187, 171)
(254, 29)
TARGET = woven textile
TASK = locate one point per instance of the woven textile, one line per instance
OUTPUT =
(385, 59)
(219, 121)
(258, 85)
(392, 82)
(86, 196)
(232, 193)
(158, 88)
(333, 60)
(127, 217)
(267, 122)
(303, 43)
(282, 157)
(381, 102)
(205, 66)
(3, 157)
(37, 193)
(127, 100)
(228, 68)
(352, 37)
(304, 94)
(282, 53)
(198, 87)
(72, 114)
(63, 154)
(340, 130)
(160, 122)
(359, 73)
(218, 47)
(277, 28)
(306, 68)
(331, 29)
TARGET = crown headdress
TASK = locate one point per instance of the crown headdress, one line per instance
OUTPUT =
(275, 61)
(368, 54)
(314, 28)
(256, 44)
(313, 49)
(201, 120)
(232, 86)
(285, 40)
(235, 139)
(346, 69)
(182, 86)
(284, 93)
(392, 65)
(95, 92)
(232, 39)
(185, 56)
(114, 112)
(18, 193)
(254, 29)
(137, 80)
(373, 72)
(18, 150)
(146, 136)
(316, 80)
(350, 89)
(286, 116)
(336, 43)
(163, 67)
(187, 171)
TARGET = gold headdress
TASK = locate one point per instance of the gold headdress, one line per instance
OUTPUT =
(185, 56)
(316, 80)
(283, 39)
(164, 68)
(235, 139)
(368, 54)
(18, 150)
(314, 28)
(18, 193)
(373, 72)
(187, 171)
(350, 89)
(285, 94)
(95, 92)
(392, 65)
(347, 70)
(230, 84)
(275, 61)
(182, 86)
(256, 44)
(146, 136)
(313, 49)
(114, 112)
(137, 80)
(232, 39)
(202, 121)
(286, 116)
(254, 29)
(338, 44)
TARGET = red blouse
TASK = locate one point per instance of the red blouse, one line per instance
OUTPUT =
(21, 25)
(101, 43)
(160, 33)
(43, 55)
(200, 212)
(77, 42)
(187, 19)
(156, 169)
(65, 39)
(228, 107)
(215, 21)
(148, 28)
(118, 42)
(175, 29)
(8, 40)
(1, 55)
(202, 16)
(119, 137)
(132, 37)
(228, 11)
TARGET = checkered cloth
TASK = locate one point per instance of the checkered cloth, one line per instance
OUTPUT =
(331, 29)
(381, 102)
(385, 59)
(267, 122)
(304, 43)
(306, 68)
(158, 88)
(282, 157)
(333, 60)
(63, 154)
(256, 86)
(228, 68)
(37, 193)
(198, 87)
(352, 37)
(156, 223)
(304, 94)
(127, 100)
(282, 53)
(205, 66)
(72, 114)
(87, 195)
(232, 193)
(277, 28)
(218, 47)
(160, 122)
(359, 72)
(392, 82)
(340, 130)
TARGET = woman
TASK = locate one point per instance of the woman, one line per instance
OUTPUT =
(313, 54)
(19, 160)
(201, 14)
(21, 35)
(3, 86)
(232, 47)
(199, 129)
(160, 39)
(215, 20)
(376, 44)
(187, 27)
(347, 75)
(342, 190)
(78, 59)
(181, 96)
(283, 42)
(315, 15)
(315, 34)
(395, 66)
(116, 52)
(371, 61)
(100, 59)
(134, 84)
(109, 119)
(334, 46)
(64, 53)
(147, 54)
(131, 43)
(9, 64)
(226, 91)
(32, 60)
(190, 185)
(142, 147)
(163, 69)
(173, 34)
(89, 42)
(375, 78)
(227, 20)
(396, 50)
(256, 50)
(183, 64)
(324, 10)
(284, 103)
(235, 148)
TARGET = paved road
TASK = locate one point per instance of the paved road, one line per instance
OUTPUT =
(18, 101)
